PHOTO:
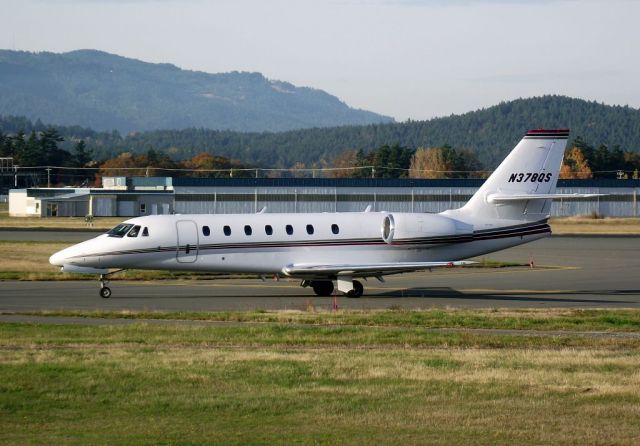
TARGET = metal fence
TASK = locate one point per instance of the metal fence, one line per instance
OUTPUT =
(354, 195)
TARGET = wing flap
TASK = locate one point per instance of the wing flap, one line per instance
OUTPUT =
(370, 269)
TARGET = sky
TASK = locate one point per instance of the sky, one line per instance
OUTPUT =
(409, 59)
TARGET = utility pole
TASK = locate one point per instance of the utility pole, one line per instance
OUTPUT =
(48, 169)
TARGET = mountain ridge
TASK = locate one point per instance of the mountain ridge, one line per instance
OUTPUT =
(105, 91)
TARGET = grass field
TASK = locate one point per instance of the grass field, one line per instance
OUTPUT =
(586, 225)
(618, 320)
(285, 383)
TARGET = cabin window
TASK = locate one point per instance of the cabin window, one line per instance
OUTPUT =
(268, 230)
(145, 232)
(309, 229)
(134, 231)
(335, 229)
(226, 230)
(247, 230)
(206, 231)
(289, 229)
(120, 230)
(143, 208)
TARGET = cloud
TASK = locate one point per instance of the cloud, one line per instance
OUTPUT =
(551, 76)
(116, 2)
(440, 3)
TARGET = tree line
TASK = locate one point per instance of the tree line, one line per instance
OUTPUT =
(44, 148)
(397, 161)
(583, 160)
(488, 133)
(41, 149)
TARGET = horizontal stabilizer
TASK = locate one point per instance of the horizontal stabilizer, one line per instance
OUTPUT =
(496, 198)
(365, 269)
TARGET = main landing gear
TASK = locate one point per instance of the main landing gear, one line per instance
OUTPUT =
(325, 287)
(105, 291)
(357, 290)
(322, 287)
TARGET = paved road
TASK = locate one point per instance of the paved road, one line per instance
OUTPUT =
(585, 272)
(71, 236)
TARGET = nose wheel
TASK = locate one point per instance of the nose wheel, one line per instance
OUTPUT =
(105, 291)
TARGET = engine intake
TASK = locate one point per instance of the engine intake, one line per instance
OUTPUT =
(388, 228)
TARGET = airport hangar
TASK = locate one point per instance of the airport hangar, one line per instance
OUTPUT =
(136, 196)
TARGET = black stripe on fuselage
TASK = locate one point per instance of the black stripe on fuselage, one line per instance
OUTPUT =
(540, 227)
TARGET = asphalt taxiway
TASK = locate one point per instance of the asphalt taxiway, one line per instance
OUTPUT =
(582, 272)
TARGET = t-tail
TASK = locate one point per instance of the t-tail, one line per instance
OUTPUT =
(523, 186)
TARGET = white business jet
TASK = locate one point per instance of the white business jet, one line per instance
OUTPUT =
(511, 208)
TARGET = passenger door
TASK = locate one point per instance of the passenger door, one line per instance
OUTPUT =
(187, 251)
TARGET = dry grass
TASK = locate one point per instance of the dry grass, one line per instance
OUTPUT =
(590, 225)
(185, 385)
(28, 257)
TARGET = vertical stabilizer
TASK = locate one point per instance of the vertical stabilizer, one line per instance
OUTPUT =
(530, 170)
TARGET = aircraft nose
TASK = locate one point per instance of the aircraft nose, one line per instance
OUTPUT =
(57, 259)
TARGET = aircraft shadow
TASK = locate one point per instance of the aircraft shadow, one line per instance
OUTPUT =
(529, 296)
(440, 293)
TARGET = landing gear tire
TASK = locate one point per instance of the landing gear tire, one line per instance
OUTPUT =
(357, 290)
(322, 287)
(105, 291)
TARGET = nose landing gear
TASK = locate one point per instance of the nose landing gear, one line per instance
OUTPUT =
(105, 291)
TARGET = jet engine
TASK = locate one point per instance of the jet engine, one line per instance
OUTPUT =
(405, 227)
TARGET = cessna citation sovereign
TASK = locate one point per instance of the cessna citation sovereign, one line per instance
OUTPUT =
(511, 208)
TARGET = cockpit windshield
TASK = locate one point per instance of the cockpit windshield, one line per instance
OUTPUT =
(134, 232)
(120, 230)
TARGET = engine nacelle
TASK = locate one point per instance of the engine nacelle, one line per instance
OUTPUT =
(404, 227)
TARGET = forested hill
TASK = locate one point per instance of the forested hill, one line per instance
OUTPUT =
(490, 132)
(104, 92)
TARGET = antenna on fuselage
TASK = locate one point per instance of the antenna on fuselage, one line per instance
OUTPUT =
(368, 208)
(262, 211)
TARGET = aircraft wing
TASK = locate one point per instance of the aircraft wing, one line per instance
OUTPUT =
(364, 269)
